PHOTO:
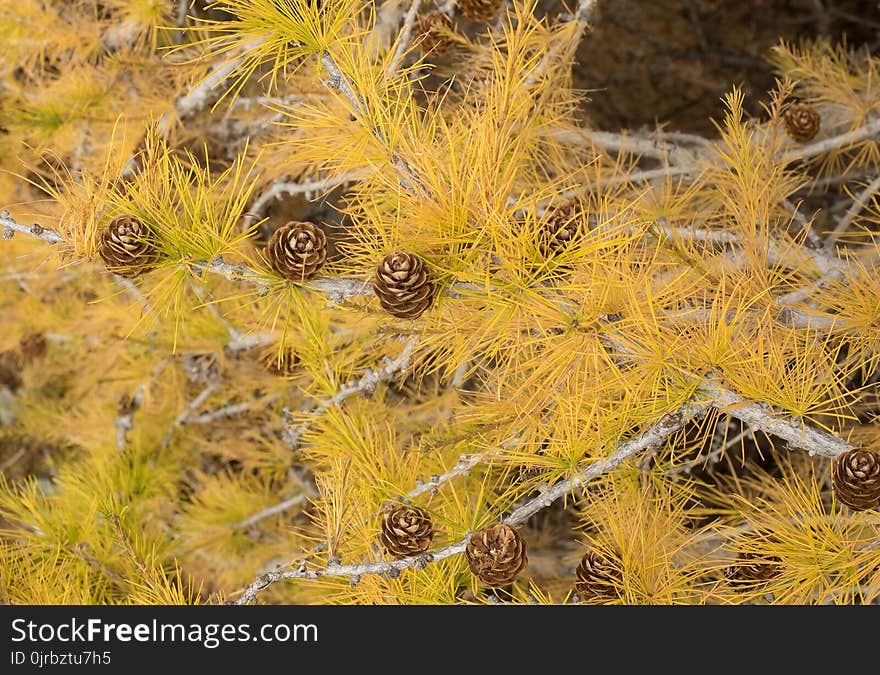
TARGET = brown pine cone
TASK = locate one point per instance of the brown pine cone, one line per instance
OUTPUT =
(802, 122)
(126, 248)
(10, 370)
(297, 250)
(597, 576)
(561, 228)
(32, 346)
(479, 10)
(754, 567)
(496, 554)
(406, 531)
(856, 478)
(435, 30)
(402, 285)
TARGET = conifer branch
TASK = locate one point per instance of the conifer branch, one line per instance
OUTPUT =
(339, 289)
(462, 467)
(236, 273)
(757, 414)
(654, 435)
(408, 178)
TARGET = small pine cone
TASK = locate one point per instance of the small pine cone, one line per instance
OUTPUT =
(479, 10)
(802, 122)
(560, 229)
(126, 248)
(496, 554)
(32, 346)
(402, 285)
(435, 29)
(406, 531)
(597, 576)
(10, 370)
(297, 250)
(856, 478)
(754, 567)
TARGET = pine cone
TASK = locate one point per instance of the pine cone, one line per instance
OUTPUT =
(754, 567)
(496, 554)
(32, 346)
(406, 531)
(297, 251)
(126, 248)
(856, 478)
(435, 29)
(10, 370)
(597, 576)
(802, 122)
(402, 285)
(560, 229)
(479, 10)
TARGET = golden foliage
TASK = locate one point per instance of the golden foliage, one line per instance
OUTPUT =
(212, 421)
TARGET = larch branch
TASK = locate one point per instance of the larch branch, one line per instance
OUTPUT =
(654, 435)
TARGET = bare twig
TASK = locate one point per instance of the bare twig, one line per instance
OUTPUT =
(128, 406)
(286, 187)
(8, 227)
(711, 457)
(232, 410)
(190, 408)
(183, 7)
(461, 468)
(858, 205)
(197, 98)
(405, 35)
(270, 511)
(132, 289)
(582, 16)
(250, 341)
(857, 135)
(652, 146)
(759, 416)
